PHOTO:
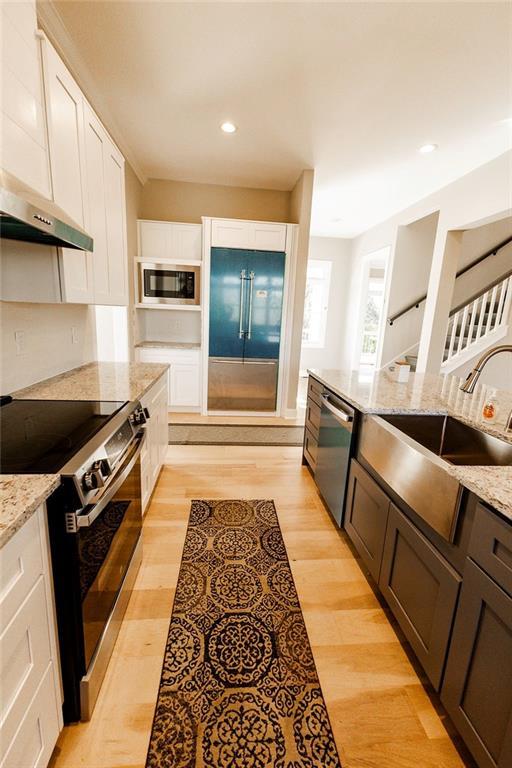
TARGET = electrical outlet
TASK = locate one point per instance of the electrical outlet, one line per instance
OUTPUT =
(74, 334)
(19, 340)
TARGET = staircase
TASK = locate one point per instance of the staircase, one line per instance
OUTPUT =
(477, 324)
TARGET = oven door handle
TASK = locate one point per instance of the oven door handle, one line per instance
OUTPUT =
(85, 520)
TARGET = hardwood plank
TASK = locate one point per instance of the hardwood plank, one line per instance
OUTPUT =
(381, 715)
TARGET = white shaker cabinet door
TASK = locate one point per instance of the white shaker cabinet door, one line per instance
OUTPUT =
(116, 225)
(96, 218)
(24, 150)
(184, 385)
(64, 103)
(269, 237)
(64, 106)
(231, 233)
(186, 242)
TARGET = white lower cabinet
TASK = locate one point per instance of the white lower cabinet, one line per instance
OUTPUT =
(153, 455)
(31, 703)
(184, 375)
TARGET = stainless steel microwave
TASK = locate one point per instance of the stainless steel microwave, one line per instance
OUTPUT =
(161, 283)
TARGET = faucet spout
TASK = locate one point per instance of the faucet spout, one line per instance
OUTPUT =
(473, 376)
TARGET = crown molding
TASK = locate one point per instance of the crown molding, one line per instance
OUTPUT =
(50, 21)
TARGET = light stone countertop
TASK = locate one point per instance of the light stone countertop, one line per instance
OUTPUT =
(20, 496)
(97, 381)
(168, 345)
(430, 394)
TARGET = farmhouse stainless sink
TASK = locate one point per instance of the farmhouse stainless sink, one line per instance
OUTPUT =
(414, 454)
(454, 441)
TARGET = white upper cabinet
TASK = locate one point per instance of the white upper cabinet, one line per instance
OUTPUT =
(116, 225)
(24, 151)
(170, 241)
(252, 235)
(87, 173)
(96, 219)
(64, 109)
(105, 212)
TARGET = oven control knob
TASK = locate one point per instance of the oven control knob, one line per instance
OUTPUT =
(139, 416)
(90, 480)
(94, 477)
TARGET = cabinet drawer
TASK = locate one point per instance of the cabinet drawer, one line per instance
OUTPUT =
(313, 417)
(37, 734)
(24, 656)
(366, 517)
(491, 546)
(421, 589)
(20, 565)
(310, 448)
(315, 389)
(165, 355)
(477, 687)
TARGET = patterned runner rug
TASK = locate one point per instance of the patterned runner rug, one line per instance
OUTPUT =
(239, 688)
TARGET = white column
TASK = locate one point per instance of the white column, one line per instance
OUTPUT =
(439, 298)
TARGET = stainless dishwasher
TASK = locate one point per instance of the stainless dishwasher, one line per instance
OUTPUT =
(335, 447)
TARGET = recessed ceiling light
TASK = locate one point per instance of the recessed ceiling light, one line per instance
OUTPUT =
(228, 127)
(426, 148)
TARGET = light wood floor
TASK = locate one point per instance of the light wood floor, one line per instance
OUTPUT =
(381, 715)
(253, 421)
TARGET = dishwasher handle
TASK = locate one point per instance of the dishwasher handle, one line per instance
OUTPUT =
(338, 413)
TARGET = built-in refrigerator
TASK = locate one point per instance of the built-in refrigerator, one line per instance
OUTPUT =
(246, 302)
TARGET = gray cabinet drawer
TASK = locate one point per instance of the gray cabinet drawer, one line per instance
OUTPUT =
(313, 416)
(421, 589)
(366, 517)
(310, 448)
(477, 688)
(315, 389)
(491, 546)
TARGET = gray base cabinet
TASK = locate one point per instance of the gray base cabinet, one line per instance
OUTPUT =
(421, 589)
(366, 517)
(477, 690)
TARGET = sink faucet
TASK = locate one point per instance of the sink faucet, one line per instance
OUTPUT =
(473, 376)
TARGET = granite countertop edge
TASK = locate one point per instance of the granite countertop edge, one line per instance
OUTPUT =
(20, 497)
(492, 484)
(97, 381)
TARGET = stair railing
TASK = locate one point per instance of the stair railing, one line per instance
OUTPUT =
(415, 304)
(472, 322)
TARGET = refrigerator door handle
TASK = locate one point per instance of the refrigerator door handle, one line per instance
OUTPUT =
(242, 283)
(251, 286)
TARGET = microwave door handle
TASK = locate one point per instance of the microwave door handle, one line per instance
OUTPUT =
(241, 326)
(251, 286)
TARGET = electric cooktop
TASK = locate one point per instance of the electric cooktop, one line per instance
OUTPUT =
(39, 436)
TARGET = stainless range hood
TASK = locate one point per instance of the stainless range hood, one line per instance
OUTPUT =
(32, 219)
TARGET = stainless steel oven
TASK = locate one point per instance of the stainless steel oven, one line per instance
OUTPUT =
(167, 283)
(95, 523)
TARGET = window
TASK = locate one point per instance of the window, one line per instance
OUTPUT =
(316, 303)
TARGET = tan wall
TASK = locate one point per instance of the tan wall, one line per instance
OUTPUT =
(300, 211)
(167, 200)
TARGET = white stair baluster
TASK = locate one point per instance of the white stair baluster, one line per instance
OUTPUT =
(488, 328)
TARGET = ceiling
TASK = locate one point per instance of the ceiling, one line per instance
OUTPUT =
(349, 89)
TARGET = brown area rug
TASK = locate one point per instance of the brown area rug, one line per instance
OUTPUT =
(239, 688)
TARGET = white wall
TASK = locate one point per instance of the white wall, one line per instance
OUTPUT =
(49, 346)
(479, 197)
(337, 251)
(408, 281)
(475, 242)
